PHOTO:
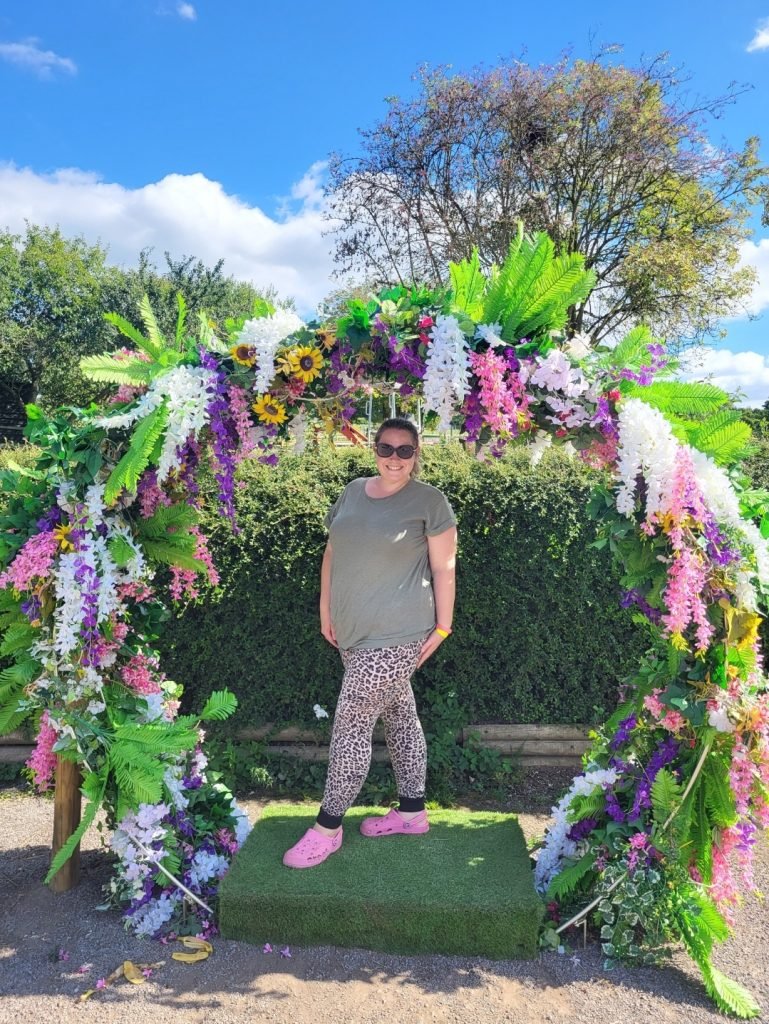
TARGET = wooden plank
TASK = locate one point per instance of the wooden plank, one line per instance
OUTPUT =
(15, 739)
(319, 753)
(15, 755)
(66, 818)
(547, 761)
(547, 748)
(526, 732)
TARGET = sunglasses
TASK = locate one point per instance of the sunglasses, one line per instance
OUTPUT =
(403, 451)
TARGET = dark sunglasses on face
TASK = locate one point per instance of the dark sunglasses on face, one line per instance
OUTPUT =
(403, 451)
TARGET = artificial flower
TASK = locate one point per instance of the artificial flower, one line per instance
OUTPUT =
(245, 355)
(306, 362)
(269, 409)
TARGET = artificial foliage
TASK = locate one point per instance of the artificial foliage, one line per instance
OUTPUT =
(660, 857)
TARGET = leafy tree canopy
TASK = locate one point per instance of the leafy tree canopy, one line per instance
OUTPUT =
(610, 161)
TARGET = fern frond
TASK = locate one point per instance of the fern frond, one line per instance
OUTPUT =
(181, 319)
(179, 517)
(730, 996)
(18, 636)
(169, 554)
(143, 742)
(566, 284)
(133, 463)
(724, 437)
(531, 262)
(632, 352)
(719, 797)
(665, 793)
(117, 371)
(566, 881)
(12, 716)
(502, 282)
(139, 785)
(220, 705)
(154, 339)
(681, 398)
(127, 328)
(468, 284)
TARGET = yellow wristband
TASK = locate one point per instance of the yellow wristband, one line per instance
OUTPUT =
(442, 632)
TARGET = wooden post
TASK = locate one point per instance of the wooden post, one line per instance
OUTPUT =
(66, 818)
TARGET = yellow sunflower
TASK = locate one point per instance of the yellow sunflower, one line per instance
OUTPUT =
(269, 409)
(326, 338)
(61, 533)
(243, 354)
(305, 362)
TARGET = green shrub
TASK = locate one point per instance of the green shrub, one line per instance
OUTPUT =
(539, 635)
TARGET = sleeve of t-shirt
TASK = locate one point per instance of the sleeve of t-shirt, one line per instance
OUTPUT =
(333, 510)
(440, 515)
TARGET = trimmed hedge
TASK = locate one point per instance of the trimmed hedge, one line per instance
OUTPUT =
(539, 634)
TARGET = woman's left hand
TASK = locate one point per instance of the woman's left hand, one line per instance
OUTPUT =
(430, 646)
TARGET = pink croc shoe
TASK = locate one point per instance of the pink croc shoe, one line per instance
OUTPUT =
(312, 849)
(393, 823)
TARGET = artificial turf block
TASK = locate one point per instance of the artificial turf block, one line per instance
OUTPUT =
(465, 887)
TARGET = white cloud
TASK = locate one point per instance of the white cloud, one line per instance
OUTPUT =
(28, 55)
(186, 11)
(186, 214)
(760, 40)
(756, 255)
(744, 372)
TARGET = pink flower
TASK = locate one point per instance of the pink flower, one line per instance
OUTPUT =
(84, 968)
(32, 562)
(63, 955)
(286, 952)
(654, 704)
(147, 972)
(101, 983)
(267, 948)
(139, 675)
(42, 762)
(673, 721)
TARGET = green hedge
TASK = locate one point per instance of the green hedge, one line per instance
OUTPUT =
(539, 635)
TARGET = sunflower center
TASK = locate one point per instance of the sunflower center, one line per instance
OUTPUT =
(243, 352)
(307, 363)
(271, 410)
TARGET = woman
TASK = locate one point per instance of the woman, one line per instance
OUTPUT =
(386, 601)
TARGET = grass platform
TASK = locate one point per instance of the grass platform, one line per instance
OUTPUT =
(464, 888)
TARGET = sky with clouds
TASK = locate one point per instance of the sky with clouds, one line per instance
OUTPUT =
(204, 128)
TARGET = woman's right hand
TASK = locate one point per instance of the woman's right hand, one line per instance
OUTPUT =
(327, 629)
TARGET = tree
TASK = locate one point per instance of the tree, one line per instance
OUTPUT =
(612, 162)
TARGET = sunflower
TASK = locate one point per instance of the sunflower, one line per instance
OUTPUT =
(326, 338)
(61, 533)
(305, 362)
(269, 409)
(243, 354)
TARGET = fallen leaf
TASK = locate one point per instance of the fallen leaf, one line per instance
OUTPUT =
(86, 995)
(190, 958)
(132, 973)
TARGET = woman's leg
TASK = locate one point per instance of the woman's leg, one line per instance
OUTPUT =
(404, 736)
(359, 706)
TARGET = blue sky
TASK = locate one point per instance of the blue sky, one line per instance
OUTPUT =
(203, 126)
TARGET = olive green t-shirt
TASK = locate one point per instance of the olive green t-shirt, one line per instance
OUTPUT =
(381, 584)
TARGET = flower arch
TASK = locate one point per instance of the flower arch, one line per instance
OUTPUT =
(656, 834)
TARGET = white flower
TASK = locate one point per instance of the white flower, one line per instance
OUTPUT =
(557, 845)
(319, 711)
(265, 334)
(490, 333)
(297, 429)
(646, 447)
(719, 720)
(242, 824)
(172, 780)
(206, 866)
(579, 346)
(150, 918)
(542, 441)
(94, 503)
(447, 373)
(555, 373)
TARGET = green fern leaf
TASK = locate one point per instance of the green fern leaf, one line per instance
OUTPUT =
(127, 328)
(21, 673)
(181, 319)
(567, 284)
(724, 437)
(567, 880)
(681, 398)
(12, 716)
(719, 797)
(632, 352)
(729, 996)
(136, 459)
(169, 554)
(702, 837)
(665, 793)
(501, 283)
(468, 284)
(220, 705)
(154, 338)
(711, 917)
(117, 371)
(178, 517)
(531, 263)
(139, 785)
(17, 637)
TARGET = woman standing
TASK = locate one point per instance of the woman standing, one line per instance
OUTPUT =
(386, 601)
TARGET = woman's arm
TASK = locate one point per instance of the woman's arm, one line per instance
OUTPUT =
(442, 553)
(326, 626)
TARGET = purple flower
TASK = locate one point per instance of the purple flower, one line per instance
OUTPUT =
(581, 829)
(622, 735)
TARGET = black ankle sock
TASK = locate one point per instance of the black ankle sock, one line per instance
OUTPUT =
(410, 804)
(329, 820)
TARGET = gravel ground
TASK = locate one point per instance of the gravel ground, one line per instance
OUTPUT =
(318, 985)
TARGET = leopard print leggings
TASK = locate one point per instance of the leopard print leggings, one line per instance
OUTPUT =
(376, 684)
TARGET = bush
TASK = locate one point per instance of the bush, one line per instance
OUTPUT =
(539, 635)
